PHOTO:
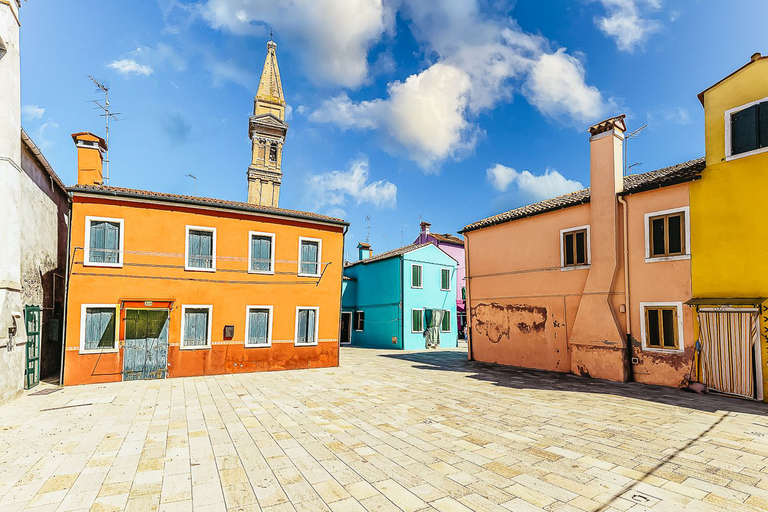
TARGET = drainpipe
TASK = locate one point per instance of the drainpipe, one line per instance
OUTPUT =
(468, 301)
(627, 307)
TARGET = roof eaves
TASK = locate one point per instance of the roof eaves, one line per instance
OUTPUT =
(478, 225)
(42, 160)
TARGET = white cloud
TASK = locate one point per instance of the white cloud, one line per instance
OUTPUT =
(231, 71)
(330, 191)
(532, 186)
(128, 67)
(41, 133)
(627, 22)
(332, 36)
(677, 115)
(556, 86)
(32, 112)
(479, 62)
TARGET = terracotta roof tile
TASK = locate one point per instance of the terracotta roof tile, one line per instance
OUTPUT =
(680, 173)
(448, 238)
(200, 201)
(389, 254)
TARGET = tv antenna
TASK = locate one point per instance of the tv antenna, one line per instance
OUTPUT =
(632, 135)
(195, 179)
(368, 227)
(107, 114)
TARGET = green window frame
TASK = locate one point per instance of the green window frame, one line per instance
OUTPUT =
(445, 326)
(417, 320)
(416, 276)
(445, 279)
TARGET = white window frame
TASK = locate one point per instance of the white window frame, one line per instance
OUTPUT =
(421, 276)
(87, 249)
(563, 268)
(448, 315)
(115, 346)
(727, 121)
(317, 327)
(354, 320)
(248, 324)
(422, 321)
(251, 234)
(449, 279)
(319, 256)
(213, 249)
(646, 218)
(184, 308)
(681, 333)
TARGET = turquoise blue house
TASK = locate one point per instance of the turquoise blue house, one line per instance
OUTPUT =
(401, 299)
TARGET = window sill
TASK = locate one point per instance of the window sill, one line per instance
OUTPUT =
(669, 351)
(445, 289)
(308, 275)
(745, 154)
(262, 272)
(99, 351)
(575, 267)
(200, 347)
(668, 258)
(258, 345)
(199, 269)
(297, 344)
(99, 264)
(417, 287)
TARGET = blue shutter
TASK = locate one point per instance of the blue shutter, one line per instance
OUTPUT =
(258, 326)
(99, 328)
(200, 249)
(96, 250)
(309, 257)
(111, 242)
(261, 253)
(302, 334)
(311, 319)
(195, 327)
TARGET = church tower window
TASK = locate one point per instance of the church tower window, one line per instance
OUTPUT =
(273, 152)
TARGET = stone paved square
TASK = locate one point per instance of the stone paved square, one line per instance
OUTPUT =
(384, 431)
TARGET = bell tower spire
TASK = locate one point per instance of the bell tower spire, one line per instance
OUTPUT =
(267, 129)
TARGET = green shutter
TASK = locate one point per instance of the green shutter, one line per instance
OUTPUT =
(446, 324)
(744, 130)
(762, 121)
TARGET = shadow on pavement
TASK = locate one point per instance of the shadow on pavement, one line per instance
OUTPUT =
(523, 378)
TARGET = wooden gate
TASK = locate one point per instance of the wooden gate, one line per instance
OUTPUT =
(145, 353)
(32, 322)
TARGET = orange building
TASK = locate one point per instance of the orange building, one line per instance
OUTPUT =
(165, 285)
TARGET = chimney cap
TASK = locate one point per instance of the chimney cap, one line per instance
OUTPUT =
(363, 245)
(608, 125)
(90, 136)
(755, 56)
(424, 223)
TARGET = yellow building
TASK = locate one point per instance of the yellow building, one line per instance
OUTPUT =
(729, 251)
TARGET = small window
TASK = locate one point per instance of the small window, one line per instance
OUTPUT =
(309, 257)
(574, 247)
(667, 235)
(445, 279)
(417, 320)
(99, 328)
(201, 248)
(273, 152)
(306, 326)
(196, 327)
(445, 326)
(661, 327)
(258, 326)
(416, 271)
(749, 128)
(359, 320)
(463, 293)
(104, 241)
(261, 252)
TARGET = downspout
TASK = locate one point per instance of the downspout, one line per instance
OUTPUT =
(627, 307)
(341, 299)
(66, 290)
(468, 301)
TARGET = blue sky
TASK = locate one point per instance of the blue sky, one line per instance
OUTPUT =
(451, 110)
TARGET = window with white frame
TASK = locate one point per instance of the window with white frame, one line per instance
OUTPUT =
(310, 250)
(200, 248)
(261, 252)
(104, 242)
(662, 326)
(445, 326)
(667, 235)
(746, 129)
(416, 273)
(445, 279)
(417, 320)
(574, 247)
(98, 328)
(306, 325)
(258, 326)
(359, 320)
(195, 326)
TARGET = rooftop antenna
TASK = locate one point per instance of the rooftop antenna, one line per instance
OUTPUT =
(632, 135)
(103, 86)
(368, 227)
(194, 178)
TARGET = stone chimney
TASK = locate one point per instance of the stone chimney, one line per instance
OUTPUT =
(597, 337)
(90, 158)
(364, 251)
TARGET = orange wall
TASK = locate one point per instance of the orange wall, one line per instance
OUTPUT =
(516, 280)
(157, 274)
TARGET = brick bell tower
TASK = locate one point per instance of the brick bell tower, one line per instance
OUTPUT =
(267, 129)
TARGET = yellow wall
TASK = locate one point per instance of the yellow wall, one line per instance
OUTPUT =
(729, 250)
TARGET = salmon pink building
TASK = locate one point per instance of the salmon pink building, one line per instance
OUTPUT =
(594, 282)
